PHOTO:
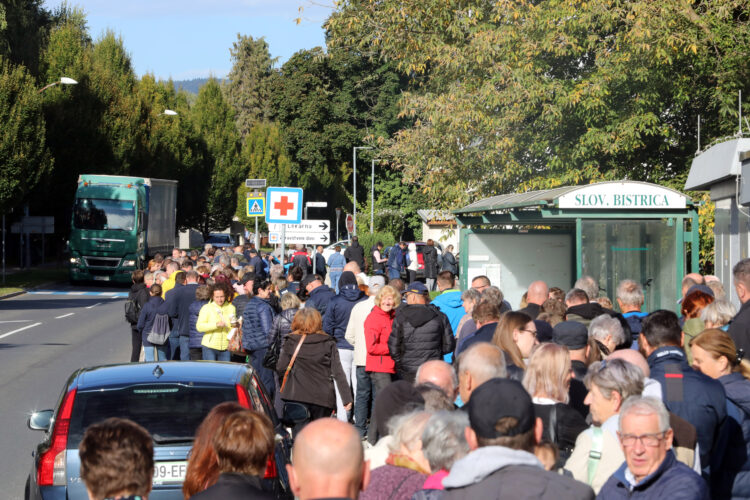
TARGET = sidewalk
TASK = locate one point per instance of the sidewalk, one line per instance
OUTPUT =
(19, 281)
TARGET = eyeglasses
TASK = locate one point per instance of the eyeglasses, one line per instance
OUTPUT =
(650, 440)
(534, 332)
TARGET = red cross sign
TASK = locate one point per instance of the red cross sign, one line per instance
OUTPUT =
(284, 205)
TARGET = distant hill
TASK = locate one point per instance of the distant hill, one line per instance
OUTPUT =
(190, 86)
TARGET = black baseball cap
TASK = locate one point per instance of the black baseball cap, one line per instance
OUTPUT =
(309, 279)
(247, 277)
(496, 399)
(571, 334)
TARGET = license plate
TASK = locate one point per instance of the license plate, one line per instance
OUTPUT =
(101, 278)
(169, 472)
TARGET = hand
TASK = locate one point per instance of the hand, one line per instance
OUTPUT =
(220, 323)
(348, 407)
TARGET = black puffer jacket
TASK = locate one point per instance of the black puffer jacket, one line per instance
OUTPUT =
(420, 333)
(356, 253)
(430, 262)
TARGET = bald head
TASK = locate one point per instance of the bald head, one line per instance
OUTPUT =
(537, 293)
(633, 357)
(439, 373)
(479, 363)
(328, 461)
(353, 267)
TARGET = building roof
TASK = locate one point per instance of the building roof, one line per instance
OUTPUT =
(436, 216)
(717, 163)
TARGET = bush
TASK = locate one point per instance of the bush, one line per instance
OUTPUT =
(367, 241)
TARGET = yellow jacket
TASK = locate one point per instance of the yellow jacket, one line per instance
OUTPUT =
(169, 284)
(213, 336)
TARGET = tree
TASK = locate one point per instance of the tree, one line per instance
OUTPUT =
(263, 157)
(23, 154)
(248, 86)
(213, 118)
(24, 26)
(524, 94)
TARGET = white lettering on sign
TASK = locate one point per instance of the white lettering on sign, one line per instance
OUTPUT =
(622, 195)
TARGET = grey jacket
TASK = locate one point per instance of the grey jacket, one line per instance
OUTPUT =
(497, 472)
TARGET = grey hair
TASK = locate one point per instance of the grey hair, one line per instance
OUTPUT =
(443, 439)
(645, 405)
(482, 367)
(741, 272)
(471, 295)
(615, 375)
(406, 429)
(718, 289)
(493, 294)
(630, 293)
(604, 325)
(718, 312)
(224, 261)
(588, 285)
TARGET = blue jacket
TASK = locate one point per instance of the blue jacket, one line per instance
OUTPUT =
(257, 320)
(673, 480)
(730, 471)
(148, 314)
(396, 258)
(258, 265)
(691, 395)
(196, 337)
(320, 298)
(336, 262)
(449, 302)
(337, 314)
(178, 307)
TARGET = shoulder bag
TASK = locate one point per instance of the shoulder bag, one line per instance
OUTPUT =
(291, 362)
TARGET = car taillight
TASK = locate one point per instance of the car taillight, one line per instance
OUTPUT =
(242, 397)
(271, 471)
(51, 470)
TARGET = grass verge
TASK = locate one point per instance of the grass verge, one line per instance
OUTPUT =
(19, 281)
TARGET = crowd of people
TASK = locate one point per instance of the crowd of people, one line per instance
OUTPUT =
(411, 393)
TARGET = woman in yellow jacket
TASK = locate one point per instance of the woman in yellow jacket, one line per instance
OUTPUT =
(214, 322)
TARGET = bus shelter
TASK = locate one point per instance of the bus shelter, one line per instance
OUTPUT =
(609, 230)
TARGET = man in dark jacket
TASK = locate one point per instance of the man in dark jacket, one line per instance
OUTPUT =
(319, 263)
(580, 309)
(302, 260)
(396, 261)
(430, 258)
(356, 253)
(420, 333)
(739, 328)
(319, 295)
(690, 394)
(139, 295)
(178, 302)
(256, 262)
(378, 260)
(335, 322)
(650, 469)
(485, 314)
(536, 294)
(502, 434)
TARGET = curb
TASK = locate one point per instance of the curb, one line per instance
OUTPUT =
(16, 294)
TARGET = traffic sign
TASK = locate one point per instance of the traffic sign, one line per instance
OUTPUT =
(317, 204)
(284, 205)
(305, 226)
(349, 223)
(300, 238)
(256, 206)
(255, 183)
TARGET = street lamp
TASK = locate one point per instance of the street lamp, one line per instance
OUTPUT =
(170, 112)
(354, 219)
(64, 81)
(372, 196)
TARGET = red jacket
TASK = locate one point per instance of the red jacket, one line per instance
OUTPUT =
(377, 331)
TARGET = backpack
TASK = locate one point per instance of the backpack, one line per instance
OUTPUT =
(132, 310)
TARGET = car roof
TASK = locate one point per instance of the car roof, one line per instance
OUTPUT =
(127, 374)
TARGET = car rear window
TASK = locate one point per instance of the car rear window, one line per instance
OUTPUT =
(170, 413)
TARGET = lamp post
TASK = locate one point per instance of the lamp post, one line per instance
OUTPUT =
(372, 196)
(62, 81)
(354, 182)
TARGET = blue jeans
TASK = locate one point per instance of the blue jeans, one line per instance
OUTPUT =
(335, 275)
(161, 352)
(362, 400)
(215, 354)
(174, 344)
(184, 348)
(265, 375)
(393, 273)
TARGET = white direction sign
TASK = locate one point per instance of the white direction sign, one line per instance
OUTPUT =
(305, 226)
(300, 238)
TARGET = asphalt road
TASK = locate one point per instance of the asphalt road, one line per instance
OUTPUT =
(44, 336)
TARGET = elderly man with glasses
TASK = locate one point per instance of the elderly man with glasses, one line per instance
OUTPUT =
(650, 469)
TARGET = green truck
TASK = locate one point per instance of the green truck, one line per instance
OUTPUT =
(118, 223)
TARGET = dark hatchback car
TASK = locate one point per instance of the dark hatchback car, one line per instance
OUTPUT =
(169, 399)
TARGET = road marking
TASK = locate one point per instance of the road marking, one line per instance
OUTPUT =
(64, 315)
(19, 330)
(97, 304)
(76, 293)
(109, 295)
(43, 293)
(17, 321)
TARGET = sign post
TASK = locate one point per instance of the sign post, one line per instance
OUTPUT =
(350, 225)
(256, 208)
(338, 215)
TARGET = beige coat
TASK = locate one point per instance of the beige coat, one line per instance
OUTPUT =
(355, 329)
(612, 458)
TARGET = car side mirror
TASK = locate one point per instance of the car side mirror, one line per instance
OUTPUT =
(40, 420)
(294, 413)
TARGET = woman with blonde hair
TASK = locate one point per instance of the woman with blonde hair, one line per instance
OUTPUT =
(547, 380)
(379, 364)
(716, 355)
(308, 365)
(515, 335)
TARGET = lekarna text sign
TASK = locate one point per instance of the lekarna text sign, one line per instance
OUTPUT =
(256, 206)
(305, 226)
(284, 205)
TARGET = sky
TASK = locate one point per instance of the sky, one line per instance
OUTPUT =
(188, 39)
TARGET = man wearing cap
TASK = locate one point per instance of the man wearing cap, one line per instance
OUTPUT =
(319, 295)
(574, 336)
(502, 435)
(420, 333)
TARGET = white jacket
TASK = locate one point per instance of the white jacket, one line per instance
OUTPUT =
(355, 329)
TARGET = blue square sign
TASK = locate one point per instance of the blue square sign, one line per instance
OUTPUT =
(256, 206)
(284, 205)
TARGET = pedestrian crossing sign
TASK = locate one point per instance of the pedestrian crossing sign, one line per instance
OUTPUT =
(256, 206)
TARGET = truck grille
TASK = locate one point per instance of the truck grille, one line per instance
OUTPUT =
(102, 262)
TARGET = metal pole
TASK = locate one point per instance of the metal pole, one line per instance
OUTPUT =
(283, 243)
(3, 249)
(355, 190)
(338, 214)
(372, 198)
(27, 243)
(257, 237)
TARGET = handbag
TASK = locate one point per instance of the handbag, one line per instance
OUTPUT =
(235, 341)
(291, 362)
(159, 333)
(272, 354)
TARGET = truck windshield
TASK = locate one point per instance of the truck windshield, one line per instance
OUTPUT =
(92, 213)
